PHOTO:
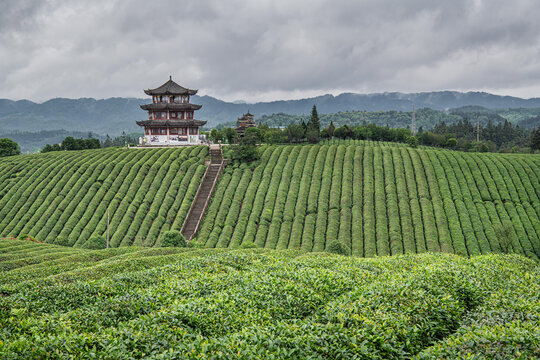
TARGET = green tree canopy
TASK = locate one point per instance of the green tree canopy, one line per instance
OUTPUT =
(9, 147)
(535, 139)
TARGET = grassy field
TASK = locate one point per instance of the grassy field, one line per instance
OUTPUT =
(377, 198)
(133, 302)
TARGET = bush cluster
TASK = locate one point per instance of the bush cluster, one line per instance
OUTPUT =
(124, 303)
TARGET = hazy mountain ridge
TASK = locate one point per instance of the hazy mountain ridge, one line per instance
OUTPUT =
(114, 115)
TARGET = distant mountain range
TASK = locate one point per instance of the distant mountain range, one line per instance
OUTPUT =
(114, 115)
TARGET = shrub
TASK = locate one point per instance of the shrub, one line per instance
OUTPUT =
(196, 244)
(336, 247)
(248, 245)
(172, 238)
(412, 141)
(505, 235)
(62, 241)
(96, 242)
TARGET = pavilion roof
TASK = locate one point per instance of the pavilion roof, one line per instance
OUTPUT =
(171, 106)
(166, 122)
(170, 88)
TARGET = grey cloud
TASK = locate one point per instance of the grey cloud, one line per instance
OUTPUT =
(259, 50)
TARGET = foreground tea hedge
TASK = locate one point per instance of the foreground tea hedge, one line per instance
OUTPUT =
(63, 197)
(245, 304)
(378, 199)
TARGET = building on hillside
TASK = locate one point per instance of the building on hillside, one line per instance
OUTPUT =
(245, 122)
(171, 119)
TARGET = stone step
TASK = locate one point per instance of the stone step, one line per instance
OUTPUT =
(204, 193)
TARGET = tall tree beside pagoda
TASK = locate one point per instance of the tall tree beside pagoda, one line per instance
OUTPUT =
(314, 121)
(313, 126)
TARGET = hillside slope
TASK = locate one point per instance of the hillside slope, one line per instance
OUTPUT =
(377, 198)
(66, 194)
(58, 302)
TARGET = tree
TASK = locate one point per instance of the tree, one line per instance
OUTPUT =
(216, 135)
(314, 121)
(451, 143)
(172, 238)
(249, 138)
(230, 135)
(9, 147)
(342, 132)
(535, 139)
(246, 149)
(255, 133)
(313, 128)
(312, 135)
(244, 152)
(412, 141)
(295, 132)
(107, 142)
(92, 143)
(331, 129)
(274, 136)
(47, 148)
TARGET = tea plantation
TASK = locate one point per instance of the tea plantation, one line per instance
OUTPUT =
(133, 302)
(379, 199)
(375, 198)
(64, 196)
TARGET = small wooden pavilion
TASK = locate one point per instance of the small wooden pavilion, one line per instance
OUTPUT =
(245, 122)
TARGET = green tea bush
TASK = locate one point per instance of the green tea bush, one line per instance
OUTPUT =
(248, 245)
(96, 242)
(337, 247)
(172, 238)
(215, 303)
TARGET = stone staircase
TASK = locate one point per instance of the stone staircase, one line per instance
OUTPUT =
(204, 193)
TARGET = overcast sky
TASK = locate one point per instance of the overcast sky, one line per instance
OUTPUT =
(266, 50)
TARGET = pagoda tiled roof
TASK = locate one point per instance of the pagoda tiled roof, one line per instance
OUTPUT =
(171, 106)
(170, 88)
(169, 122)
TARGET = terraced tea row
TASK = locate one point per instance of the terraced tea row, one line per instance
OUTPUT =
(137, 303)
(379, 200)
(64, 197)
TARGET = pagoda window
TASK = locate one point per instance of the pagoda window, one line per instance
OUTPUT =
(174, 114)
(173, 131)
(159, 131)
(146, 131)
(189, 114)
(193, 131)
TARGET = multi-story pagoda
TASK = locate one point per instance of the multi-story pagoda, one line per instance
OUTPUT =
(245, 122)
(171, 118)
